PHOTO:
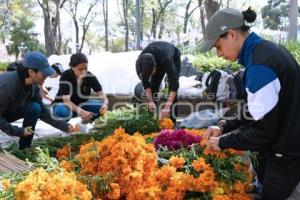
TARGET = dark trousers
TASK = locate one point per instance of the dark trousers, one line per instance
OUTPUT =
(281, 176)
(31, 113)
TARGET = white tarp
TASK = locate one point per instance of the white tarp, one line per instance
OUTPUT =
(116, 73)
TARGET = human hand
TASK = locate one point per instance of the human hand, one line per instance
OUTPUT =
(86, 116)
(103, 109)
(27, 132)
(212, 131)
(213, 143)
(72, 129)
(151, 106)
(165, 112)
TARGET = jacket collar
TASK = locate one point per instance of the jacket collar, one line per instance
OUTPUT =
(249, 44)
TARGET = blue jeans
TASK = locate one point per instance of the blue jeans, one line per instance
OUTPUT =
(31, 113)
(61, 111)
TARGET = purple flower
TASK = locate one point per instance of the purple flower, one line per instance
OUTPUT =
(175, 139)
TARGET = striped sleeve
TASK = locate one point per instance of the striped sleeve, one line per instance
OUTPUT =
(263, 87)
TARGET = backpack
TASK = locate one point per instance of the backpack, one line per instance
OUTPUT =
(220, 85)
(13, 66)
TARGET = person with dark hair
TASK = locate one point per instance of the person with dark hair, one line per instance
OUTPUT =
(45, 91)
(20, 98)
(74, 94)
(157, 60)
(58, 69)
(271, 82)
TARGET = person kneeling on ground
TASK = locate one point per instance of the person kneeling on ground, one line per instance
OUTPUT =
(20, 98)
(74, 93)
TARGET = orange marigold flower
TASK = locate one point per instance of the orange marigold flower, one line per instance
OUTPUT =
(63, 153)
(236, 152)
(200, 165)
(115, 191)
(166, 123)
(67, 165)
(215, 153)
(239, 187)
(238, 196)
(177, 162)
(221, 197)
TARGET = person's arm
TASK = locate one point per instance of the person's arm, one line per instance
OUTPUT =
(241, 119)
(173, 73)
(263, 89)
(7, 96)
(45, 94)
(85, 115)
(59, 124)
(151, 104)
(104, 107)
(166, 110)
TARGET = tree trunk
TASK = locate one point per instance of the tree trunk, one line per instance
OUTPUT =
(76, 34)
(49, 36)
(186, 16)
(161, 25)
(105, 17)
(156, 15)
(154, 23)
(227, 5)
(59, 38)
(142, 18)
(125, 13)
(202, 17)
(211, 6)
(292, 35)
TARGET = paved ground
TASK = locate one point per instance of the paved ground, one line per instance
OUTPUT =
(42, 130)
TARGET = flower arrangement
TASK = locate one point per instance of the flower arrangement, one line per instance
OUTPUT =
(123, 166)
(129, 159)
(175, 139)
(40, 184)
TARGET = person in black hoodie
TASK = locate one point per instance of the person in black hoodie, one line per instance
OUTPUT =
(156, 60)
(272, 84)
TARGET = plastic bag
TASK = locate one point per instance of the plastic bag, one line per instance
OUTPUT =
(201, 119)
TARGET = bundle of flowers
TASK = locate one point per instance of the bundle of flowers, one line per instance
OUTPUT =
(123, 166)
(197, 172)
(132, 119)
(128, 159)
(40, 184)
(176, 139)
(166, 123)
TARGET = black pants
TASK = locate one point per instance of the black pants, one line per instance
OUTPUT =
(282, 175)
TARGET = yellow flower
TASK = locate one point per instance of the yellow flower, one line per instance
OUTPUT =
(5, 183)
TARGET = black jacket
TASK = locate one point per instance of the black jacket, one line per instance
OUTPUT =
(272, 83)
(15, 95)
(167, 58)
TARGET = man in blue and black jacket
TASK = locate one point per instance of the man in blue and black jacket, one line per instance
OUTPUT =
(270, 122)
